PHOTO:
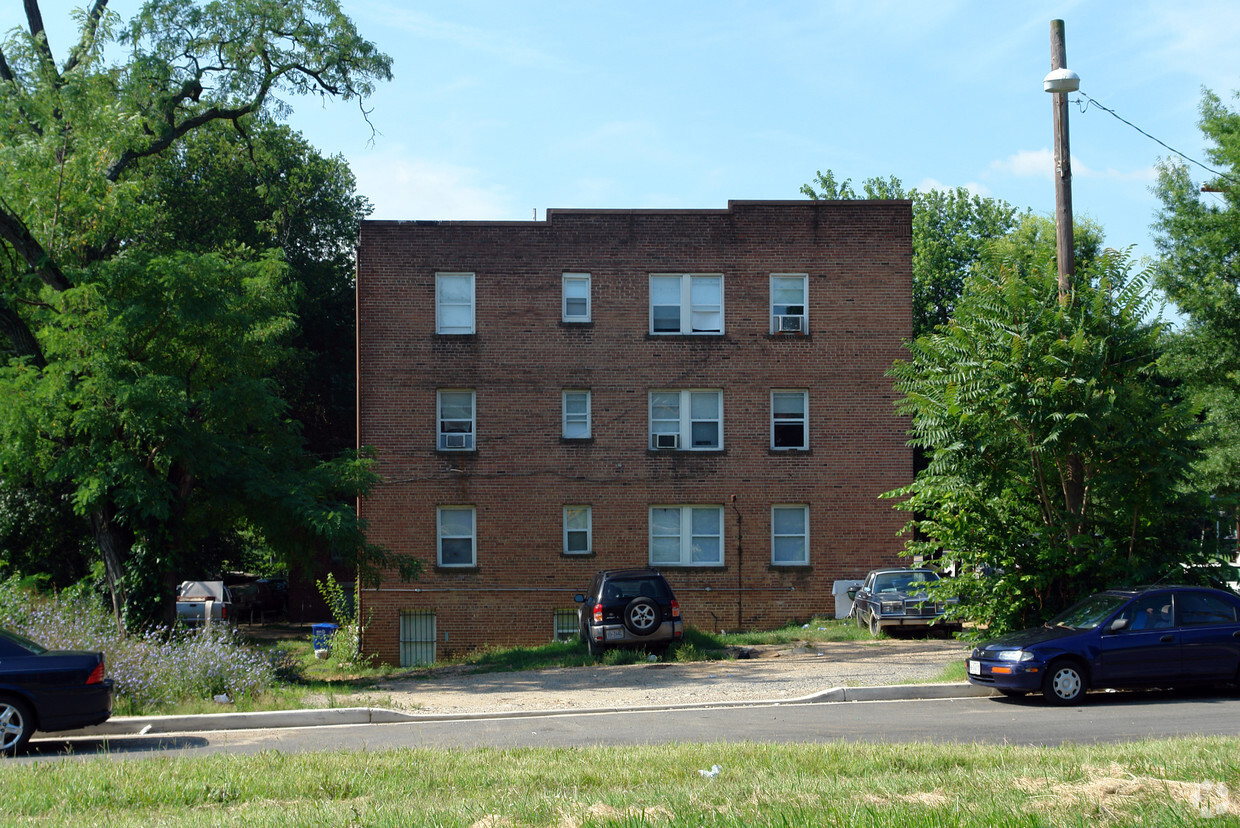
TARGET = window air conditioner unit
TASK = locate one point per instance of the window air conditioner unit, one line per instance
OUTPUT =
(666, 441)
(788, 324)
(455, 441)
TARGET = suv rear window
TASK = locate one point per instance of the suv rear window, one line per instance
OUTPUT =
(626, 590)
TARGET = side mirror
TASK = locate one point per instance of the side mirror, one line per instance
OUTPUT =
(579, 598)
(852, 592)
(1117, 625)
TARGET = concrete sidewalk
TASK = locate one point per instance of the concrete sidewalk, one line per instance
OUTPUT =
(322, 717)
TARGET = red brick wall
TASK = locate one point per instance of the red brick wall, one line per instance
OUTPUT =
(857, 255)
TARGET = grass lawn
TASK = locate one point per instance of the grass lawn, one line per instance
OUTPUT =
(1177, 782)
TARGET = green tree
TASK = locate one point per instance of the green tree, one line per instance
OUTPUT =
(267, 187)
(1199, 269)
(1055, 448)
(139, 374)
(951, 229)
(1032, 238)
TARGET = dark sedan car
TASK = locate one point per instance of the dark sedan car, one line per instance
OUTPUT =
(898, 598)
(1162, 636)
(42, 689)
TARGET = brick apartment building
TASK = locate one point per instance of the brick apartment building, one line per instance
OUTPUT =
(699, 390)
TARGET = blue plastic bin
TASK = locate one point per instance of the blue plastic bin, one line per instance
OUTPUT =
(321, 635)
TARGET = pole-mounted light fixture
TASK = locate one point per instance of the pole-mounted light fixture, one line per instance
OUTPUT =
(1061, 80)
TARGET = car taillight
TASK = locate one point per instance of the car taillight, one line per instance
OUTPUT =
(598, 613)
(97, 674)
(675, 609)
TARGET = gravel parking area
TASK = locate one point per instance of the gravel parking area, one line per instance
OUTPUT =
(772, 674)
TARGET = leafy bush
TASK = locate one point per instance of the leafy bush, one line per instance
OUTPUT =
(346, 642)
(155, 667)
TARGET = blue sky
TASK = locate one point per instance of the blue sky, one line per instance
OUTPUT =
(500, 108)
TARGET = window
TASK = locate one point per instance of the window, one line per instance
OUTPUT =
(686, 536)
(564, 625)
(456, 420)
(454, 303)
(576, 307)
(457, 545)
(577, 530)
(417, 638)
(789, 419)
(576, 418)
(686, 304)
(691, 420)
(1151, 612)
(790, 535)
(1200, 608)
(788, 303)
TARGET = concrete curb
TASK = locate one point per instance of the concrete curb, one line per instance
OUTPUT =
(150, 725)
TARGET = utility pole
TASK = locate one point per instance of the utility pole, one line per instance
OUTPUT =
(1059, 83)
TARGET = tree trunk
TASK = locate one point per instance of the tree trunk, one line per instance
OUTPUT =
(21, 338)
(114, 544)
(1074, 486)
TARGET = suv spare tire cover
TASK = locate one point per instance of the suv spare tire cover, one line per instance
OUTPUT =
(642, 616)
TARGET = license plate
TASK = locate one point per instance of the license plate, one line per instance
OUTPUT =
(975, 667)
(614, 634)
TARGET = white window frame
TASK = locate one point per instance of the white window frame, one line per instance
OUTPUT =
(686, 305)
(442, 437)
(784, 309)
(804, 420)
(589, 529)
(441, 326)
(803, 535)
(574, 279)
(682, 424)
(440, 537)
(574, 418)
(685, 541)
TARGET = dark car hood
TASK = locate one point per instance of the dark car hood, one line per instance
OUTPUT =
(1028, 638)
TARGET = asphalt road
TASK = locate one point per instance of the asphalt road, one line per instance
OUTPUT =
(1106, 718)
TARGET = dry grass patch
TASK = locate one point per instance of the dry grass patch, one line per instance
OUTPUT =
(1113, 791)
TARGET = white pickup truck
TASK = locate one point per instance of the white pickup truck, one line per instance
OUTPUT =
(203, 602)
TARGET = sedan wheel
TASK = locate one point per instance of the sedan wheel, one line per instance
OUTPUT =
(875, 629)
(16, 726)
(1064, 684)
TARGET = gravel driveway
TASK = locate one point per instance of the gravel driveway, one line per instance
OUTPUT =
(773, 674)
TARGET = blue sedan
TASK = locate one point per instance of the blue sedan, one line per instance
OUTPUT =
(1161, 636)
(42, 689)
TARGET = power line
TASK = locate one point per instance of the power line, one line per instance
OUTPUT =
(1088, 102)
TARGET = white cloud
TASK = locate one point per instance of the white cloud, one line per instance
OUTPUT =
(504, 44)
(1041, 164)
(407, 188)
(1027, 164)
(972, 186)
(1196, 37)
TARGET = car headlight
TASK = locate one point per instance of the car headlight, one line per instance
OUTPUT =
(892, 607)
(1014, 655)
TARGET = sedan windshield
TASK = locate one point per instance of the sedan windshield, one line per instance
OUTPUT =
(1088, 614)
(903, 581)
